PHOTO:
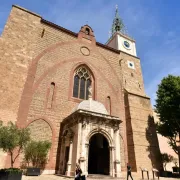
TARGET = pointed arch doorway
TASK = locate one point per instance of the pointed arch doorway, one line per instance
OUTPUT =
(99, 155)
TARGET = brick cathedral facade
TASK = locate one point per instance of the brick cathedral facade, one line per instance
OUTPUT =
(39, 64)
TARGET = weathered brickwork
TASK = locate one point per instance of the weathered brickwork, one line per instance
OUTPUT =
(141, 134)
(132, 78)
(40, 130)
(34, 54)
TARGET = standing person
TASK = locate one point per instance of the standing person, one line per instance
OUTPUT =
(78, 172)
(129, 171)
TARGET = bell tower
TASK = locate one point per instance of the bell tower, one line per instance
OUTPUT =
(119, 39)
(142, 144)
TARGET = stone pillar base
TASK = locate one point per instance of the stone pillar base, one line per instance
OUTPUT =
(112, 173)
(46, 171)
(68, 172)
(118, 169)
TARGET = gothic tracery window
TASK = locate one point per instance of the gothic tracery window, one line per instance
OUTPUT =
(82, 81)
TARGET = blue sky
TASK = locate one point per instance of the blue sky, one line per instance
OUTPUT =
(153, 24)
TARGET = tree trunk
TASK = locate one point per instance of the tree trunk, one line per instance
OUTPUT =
(179, 153)
(164, 166)
(11, 159)
(179, 159)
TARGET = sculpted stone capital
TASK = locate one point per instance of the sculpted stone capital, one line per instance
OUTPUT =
(117, 161)
(99, 129)
(87, 145)
(81, 159)
(112, 148)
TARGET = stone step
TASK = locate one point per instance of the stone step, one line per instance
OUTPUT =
(101, 176)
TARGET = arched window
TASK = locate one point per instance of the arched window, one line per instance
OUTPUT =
(87, 31)
(82, 81)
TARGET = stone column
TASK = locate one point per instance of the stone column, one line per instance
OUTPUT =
(111, 151)
(68, 172)
(79, 141)
(87, 156)
(83, 148)
(61, 157)
(117, 154)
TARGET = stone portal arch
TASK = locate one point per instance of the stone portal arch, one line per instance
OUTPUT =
(99, 155)
(104, 133)
(107, 152)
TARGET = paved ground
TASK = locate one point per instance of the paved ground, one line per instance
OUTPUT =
(45, 177)
(54, 177)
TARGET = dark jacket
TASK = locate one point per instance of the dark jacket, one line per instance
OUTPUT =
(129, 169)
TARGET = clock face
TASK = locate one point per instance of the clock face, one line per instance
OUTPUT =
(126, 45)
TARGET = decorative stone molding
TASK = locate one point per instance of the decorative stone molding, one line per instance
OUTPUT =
(85, 51)
(116, 127)
(68, 133)
(87, 145)
(84, 122)
(99, 129)
(112, 148)
(103, 132)
(86, 34)
(117, 161)
(89, 123)
(82, 159)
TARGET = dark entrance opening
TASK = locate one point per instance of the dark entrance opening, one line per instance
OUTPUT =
(98, 162)
(66, 158)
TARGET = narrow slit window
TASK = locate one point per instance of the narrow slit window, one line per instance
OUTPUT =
(51, 95)
(109, 104)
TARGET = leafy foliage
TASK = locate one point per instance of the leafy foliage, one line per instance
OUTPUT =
(11, 138)
(175, 161)
(36, 152)
(166, 158)
(168, 109)
(11, 170)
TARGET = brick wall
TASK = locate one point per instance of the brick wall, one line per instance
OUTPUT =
(132, 78)
(143, 147)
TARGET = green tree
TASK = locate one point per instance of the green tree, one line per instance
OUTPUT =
(36, 152)
(168, 109)
(11, 138)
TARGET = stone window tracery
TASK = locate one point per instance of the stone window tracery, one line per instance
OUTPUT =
(82, 81)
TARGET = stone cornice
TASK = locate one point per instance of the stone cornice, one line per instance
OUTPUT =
(94, 114)
(127, 92)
